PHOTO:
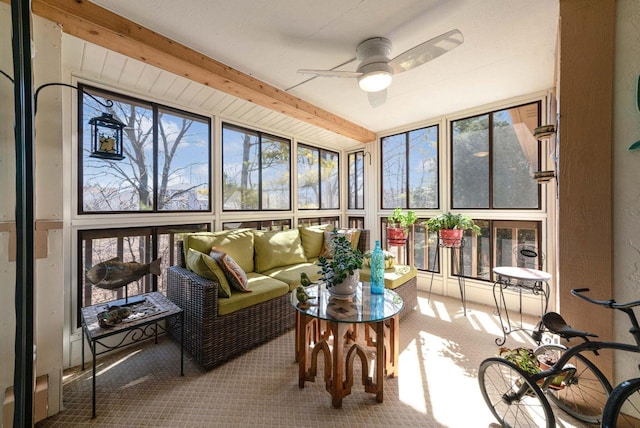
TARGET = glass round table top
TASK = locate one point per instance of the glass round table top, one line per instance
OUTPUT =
(362, 307)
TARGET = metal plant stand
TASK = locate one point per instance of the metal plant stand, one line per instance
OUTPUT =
(456, 248)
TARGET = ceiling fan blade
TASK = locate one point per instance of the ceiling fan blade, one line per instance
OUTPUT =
(376, 99)
(425, 52)
(329, 73)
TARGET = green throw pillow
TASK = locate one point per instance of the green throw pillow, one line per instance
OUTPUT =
(234, 273)
(238, 244)
(206, 267)
(278, 248)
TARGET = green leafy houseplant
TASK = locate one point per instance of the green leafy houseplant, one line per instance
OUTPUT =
(522, 357)
(452, 221)
(346, 260)
(401, 219)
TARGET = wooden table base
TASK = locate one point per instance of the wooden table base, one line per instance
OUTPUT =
(382, 355)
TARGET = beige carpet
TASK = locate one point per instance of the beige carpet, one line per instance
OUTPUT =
(437, 386)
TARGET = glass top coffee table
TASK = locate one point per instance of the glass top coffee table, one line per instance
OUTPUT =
(329, 325)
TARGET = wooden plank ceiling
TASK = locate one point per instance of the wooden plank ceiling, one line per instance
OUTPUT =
(89, 22)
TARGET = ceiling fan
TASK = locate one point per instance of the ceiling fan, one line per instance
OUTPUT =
(375, 71)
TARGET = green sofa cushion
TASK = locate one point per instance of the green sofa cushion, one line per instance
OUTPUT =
(206, 267)
(277, 248)
(238, 244)
(291, 274)
(389, 259)
(393, 278)
(312, 239)
(263, 289)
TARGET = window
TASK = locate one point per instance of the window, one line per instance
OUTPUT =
(255, 170)
(481, 253)
(167, 159)
(356, 222)
(139, 244)
(318, 179)
(317, 221)
(356, 180)
(410, 169)
(284, 224)
(494, 156)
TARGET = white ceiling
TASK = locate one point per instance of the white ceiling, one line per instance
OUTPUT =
(508, 48)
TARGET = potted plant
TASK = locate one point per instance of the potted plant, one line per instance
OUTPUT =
(398, 226)
(341, 273)
(450, 227)
(522, 357)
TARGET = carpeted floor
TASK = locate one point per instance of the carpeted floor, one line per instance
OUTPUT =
(437, 385)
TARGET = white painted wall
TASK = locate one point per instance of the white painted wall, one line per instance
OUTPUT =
(49, 279)
(626, 173)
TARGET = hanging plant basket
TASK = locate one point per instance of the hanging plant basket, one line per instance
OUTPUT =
(451, 237)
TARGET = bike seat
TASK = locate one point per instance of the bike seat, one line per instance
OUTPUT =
(556, 324)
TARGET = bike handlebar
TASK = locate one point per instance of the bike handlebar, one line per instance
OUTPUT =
(609, 303)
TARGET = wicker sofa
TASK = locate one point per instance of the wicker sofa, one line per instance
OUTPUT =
(216, 328)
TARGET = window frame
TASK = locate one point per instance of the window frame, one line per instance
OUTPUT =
(407, 190)
(321, 152)
(490, 195)
(228, 125)
(151, 233)
(356, 174)
(155, 107)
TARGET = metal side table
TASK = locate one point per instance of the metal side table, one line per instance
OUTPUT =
(135, 330)
(520, 280)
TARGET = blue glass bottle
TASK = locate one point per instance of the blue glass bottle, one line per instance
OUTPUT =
(377, 270)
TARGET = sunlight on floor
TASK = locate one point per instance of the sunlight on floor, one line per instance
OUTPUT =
(115, 363)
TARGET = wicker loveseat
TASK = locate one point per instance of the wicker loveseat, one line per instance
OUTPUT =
(218, 328)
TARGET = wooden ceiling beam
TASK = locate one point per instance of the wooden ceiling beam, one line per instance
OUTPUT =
(97, 25)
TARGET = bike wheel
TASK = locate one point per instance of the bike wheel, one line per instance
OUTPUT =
(584, 390)
(623, 407)
(512, 398)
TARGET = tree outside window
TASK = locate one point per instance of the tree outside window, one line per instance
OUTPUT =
(255, 170)
(410, 169)
(494, 158)
(167, 158)
(318, 178)
(356, 180)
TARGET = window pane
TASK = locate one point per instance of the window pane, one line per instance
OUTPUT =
(125, 185)
(128, 245)
(479, 251)
(515, 158)
(330, 184)
(183, 159)
(275, 174)
(356, 180)
(240, 169)
(470, 142)
(423, 168)
(394, 171)
(511, 234)
(308, 178)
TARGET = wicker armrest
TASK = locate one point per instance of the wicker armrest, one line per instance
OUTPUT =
(196, 295)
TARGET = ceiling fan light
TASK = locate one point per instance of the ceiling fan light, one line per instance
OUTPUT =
(375, 81)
